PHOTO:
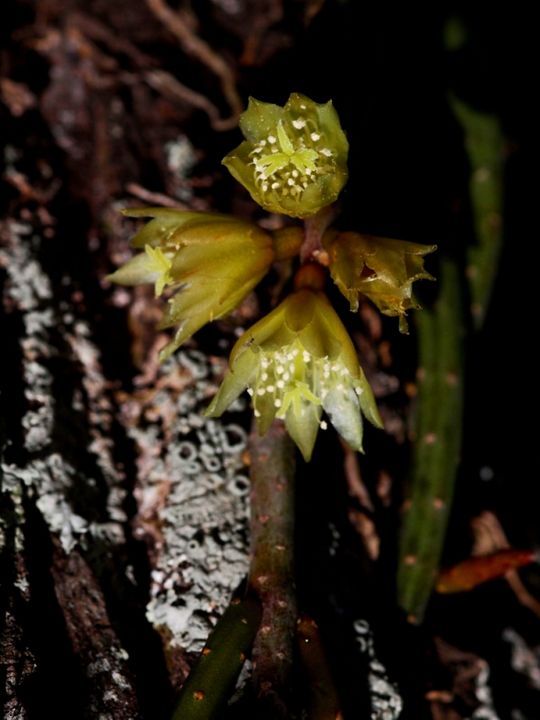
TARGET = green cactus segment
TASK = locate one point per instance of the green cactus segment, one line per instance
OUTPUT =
(484, 143)
(213, 676)
(437, 445)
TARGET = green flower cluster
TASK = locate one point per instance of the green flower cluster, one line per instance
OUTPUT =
(298, 362)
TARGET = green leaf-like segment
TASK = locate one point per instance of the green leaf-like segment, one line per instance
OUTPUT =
(437, 446)
(212, 678)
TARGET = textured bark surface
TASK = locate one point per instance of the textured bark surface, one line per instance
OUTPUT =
(124, 514)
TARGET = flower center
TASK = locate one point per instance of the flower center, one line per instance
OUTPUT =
(292, 377)
(289, 161)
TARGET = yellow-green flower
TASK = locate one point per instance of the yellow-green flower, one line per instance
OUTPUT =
(294, 158)
(210, 261)
(296, 362)
(382, 269)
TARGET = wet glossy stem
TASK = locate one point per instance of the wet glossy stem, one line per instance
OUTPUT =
(272, 568)
(314, 229)
(436, 452)
(213, 676)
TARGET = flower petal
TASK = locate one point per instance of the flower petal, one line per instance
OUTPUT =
(139, 270)
(235, 382)
(259, 120)
(168, 222)
(343, 409)
(367, 400)
(303, 426)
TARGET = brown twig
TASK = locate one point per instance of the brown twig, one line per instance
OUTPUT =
(154, 197)
(361, 520)
(489, 537)
(174, 90)
(178, 23)
(98, 31)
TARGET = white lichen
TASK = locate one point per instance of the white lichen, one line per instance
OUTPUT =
(485, 709)
(192, 484)
(524, 659)
(386, 702)
(47, 475)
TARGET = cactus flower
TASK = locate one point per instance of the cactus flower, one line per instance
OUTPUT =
(294, 158)
(209, 261)
(296, 362)
(382, 269)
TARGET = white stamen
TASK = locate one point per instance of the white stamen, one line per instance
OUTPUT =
(323, 425)
(299, 124)
(271, 139)
(315, 136)
(326, 152)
